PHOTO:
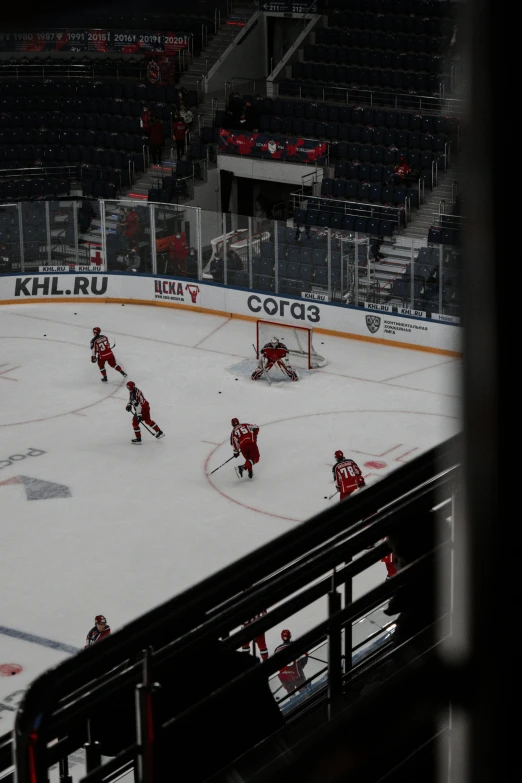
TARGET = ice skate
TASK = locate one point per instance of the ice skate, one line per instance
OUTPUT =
(104, 380)
(136, 440)
(239, 470)
(250, 474)
(159, 435)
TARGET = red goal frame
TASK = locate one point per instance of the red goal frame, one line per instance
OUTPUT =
(307, 332)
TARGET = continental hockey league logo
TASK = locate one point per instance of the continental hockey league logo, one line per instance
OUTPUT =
(373, 322)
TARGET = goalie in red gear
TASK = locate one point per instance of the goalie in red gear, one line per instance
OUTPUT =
(347, 475)
(99, 631)
(272, 353)
(101, 353)
(140, 407)
(243, 438)
(260, 639)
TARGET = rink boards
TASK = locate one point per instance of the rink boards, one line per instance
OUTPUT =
(385, 324)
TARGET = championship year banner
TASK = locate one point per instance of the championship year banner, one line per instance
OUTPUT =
(74, 40)
(272, 147)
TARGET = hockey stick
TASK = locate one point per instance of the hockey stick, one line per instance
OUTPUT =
(220, 466)
(331, 496)
(264, 370)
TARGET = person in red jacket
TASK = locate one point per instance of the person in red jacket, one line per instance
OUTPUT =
(260, 639)
(402, 173)
(99, 631)
(178, 250)
(131, 227)
(179, 133)
(292, 676)
(157, 139)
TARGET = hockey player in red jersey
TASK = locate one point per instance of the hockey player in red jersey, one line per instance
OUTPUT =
(99, 631)
(272, 353)
(260, 639)
(101, 353)
(347, 475)
(292, 676)
(141, 409)
(243, 438)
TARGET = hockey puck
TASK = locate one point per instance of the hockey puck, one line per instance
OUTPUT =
(219, 392)
(45, 335)
(237, 379)
(326, 497)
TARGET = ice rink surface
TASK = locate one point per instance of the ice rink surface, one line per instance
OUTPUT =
(96, 525)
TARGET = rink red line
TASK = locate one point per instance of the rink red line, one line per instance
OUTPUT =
(238, 502)
(212, 332)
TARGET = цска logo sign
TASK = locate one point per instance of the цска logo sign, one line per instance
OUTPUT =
(50, 286)
(373, 322)
(284, 308)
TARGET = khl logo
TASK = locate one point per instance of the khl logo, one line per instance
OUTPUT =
(373, 322)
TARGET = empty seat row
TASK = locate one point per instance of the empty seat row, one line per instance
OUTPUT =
(425, 8)
(341, 39)
(444, 236)
(367, 153)
(298, 254)
(48, 187)
(344, 222)
(363, 116)
(97, 188)
(366, 24)
(423, 60)
(35, 112)
(75, 88)
(118, 141)
(369, 77)
(375, 192)
(35, 128)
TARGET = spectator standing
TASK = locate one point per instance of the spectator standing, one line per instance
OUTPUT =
(217, 268)
(99, 631)
(178, 252)
(145, 120)
(292, 676)
(187, 117)
(179, 132)
(131, 227)
(191, 263)
(132, 260)
(121, 226)
(5, 260)
(157, 139)
(234, 264)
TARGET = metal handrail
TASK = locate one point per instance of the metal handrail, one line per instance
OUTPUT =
(406, 101)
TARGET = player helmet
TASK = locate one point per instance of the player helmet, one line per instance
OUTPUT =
(131, 385)
(96, 331)
(274, 340)
(339, 454)
(234, 422)
(100, 619)
(286, 635)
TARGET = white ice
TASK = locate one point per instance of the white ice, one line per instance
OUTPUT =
(143, 523)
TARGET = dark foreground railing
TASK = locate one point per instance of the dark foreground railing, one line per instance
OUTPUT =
(142, 695)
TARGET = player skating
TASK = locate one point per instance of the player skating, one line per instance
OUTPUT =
(141, 409)
(272, 353)
(101, 353)
(243, 438)
(99, 631)
(347, 475)
(292, 676)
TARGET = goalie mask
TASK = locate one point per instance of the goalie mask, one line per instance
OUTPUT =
(274, 341)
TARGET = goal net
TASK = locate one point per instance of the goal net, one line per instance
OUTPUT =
(298, 340)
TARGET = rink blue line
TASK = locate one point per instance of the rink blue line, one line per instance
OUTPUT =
(41, 640)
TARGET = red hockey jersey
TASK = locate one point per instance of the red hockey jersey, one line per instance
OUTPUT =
(347, 475)
(137, 400)
(243, 434)
(101, 348)
(274, 353)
